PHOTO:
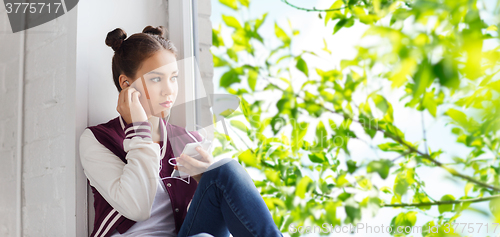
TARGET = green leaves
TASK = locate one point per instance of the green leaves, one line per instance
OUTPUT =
(353, 214)
(423, 78)
(245, 3)
(381, 103)
(329, 76)
(303, 186)
(302, 66)
(219, 62)
(321, 134)
(391, 131)
(372, 204)
(230, 77)
(280, 33)
(231, 21)
(344, 22)
(403, 181)
(331, 212)
(332, 15)
(392, 146)
(384, 106)
(239, 125)
(298, 133)
(260, 21)
(473, 43)
(494, 206)
(438, 60)
(232, 54)
(446, 207)
(252, 79)
(273, 203)
(243, 34)
(447, 72)
(400, 15)
(430, 103)
(402, 70)
(326, 47)
(230, 3)
(249, 158)
(317, 157)
(217, 40)
(422, 198)
(460, 118)
(403, 220)
(363, 17)
(351, 166)
(382, 167)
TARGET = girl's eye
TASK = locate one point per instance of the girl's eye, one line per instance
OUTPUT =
(155, 79)
(174, 78)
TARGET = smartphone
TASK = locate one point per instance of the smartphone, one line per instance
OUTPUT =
(189, 149)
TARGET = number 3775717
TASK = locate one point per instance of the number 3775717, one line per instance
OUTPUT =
(35, 7)
(470, 227)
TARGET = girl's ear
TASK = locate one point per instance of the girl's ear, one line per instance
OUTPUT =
(124, 83)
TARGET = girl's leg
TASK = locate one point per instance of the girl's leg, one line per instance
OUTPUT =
(227, 200)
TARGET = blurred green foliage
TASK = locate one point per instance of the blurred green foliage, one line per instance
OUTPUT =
(431, 51)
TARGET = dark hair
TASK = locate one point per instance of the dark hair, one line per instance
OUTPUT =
(132, 51)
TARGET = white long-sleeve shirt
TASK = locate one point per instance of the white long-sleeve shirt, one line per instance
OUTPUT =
(131, 188)
(160, 224)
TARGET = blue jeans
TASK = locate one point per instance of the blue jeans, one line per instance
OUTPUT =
(226, 200)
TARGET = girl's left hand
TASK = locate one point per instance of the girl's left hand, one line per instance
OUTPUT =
(192, 166)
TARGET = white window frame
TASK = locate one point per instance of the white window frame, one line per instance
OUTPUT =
(182, 35)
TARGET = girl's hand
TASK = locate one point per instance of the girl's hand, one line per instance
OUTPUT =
(192, 166)
(130, 107)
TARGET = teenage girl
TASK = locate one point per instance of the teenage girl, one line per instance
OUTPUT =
(128, 160)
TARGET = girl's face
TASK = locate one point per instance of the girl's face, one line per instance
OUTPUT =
(157, 82)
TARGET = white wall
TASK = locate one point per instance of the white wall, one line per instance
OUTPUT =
(55, 80)
(10, 120)
(37, 128)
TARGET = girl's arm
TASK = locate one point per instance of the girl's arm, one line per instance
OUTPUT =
(129, 188)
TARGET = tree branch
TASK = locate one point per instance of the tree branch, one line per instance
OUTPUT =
(422, 204)
(481, 199)
(425, 137)
(402, 155)
(248, 147)
(421, 187)
(313, 9)
(413, 149)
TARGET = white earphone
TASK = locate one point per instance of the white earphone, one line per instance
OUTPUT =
(204, 143)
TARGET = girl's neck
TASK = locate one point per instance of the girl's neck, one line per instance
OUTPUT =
(155, 132)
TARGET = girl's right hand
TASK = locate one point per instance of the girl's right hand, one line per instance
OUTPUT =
(130, 107)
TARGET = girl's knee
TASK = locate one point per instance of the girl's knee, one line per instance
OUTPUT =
(232, 171)
(229, 170)
(226, 165)
(232, 166)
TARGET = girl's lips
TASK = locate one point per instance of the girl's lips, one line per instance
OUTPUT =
(167, 104)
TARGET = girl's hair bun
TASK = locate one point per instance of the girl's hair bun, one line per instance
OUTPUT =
(160, 30)
(115, 38)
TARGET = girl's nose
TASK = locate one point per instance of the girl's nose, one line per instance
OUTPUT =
(166, 89)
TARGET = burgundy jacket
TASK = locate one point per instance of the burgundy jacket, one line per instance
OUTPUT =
(111, 135)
